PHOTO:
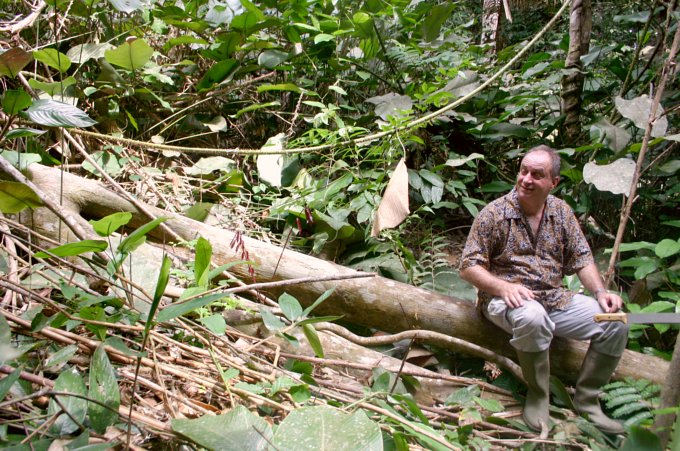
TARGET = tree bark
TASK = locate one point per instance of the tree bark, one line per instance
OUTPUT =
(375, 302)
(491, 24)
(580, 25)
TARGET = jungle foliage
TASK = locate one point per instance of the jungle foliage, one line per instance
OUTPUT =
(285, 119)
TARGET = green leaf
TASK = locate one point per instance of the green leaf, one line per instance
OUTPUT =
(15, 197)
(131, 55)
(318, 319)
(435, 19)
(103, 388)
(492, 405)
(290, 307)
(280, 87)
(325, 295)
(8, 381)
(109, 224)
(666, 248)
(53, 58)
(325, 428)
(127, 6)
(82, 53)
(53, 88)
(641, 439)
(215, 323)
(161, 284)
(202, 261)
(53, 113)
(626, 247)
(271, 321)
(137, 238)
(218, 73)
(271, 58)
(313, 339)
(257, 106)
(15, 100)
(72, 249)
(13, 61)
(17, 133)
(239, 429)
(175, 310)
(71, 382)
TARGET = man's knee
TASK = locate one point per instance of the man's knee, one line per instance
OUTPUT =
(531, 315)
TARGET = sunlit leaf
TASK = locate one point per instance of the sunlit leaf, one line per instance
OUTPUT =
(103, 388)
(202, 261)
(109, 224)
(615, 177)
(290, 307)
(53, 113)
(391, 104)
(176, 310)
(137, 238)
(15, 197)
(13, 61)
(130, 55)
(325, 428)
(219, 72)
(17, 133)
(127, 6)
(239, 429)
(666, 248)
(82, 53)
(638, 111)
(394, 206)
(53, 88)
(271, 58)
(53, 58)
(72, 249)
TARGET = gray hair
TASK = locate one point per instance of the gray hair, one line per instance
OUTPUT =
(554, 158)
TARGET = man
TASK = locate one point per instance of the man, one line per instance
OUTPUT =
(518, 251)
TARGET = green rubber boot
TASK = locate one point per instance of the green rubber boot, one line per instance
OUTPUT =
(595, 372)
(536, 371)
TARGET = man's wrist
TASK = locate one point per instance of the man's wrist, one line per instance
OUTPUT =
(598, 291)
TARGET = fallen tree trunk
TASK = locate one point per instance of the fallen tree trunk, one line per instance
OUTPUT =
(374, 302)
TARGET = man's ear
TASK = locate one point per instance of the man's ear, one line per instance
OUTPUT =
(555, 181)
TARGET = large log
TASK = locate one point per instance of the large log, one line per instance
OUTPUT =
(374, 302)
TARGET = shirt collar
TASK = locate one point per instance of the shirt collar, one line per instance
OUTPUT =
(513, 210)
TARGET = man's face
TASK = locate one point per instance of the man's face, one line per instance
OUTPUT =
(534, 181)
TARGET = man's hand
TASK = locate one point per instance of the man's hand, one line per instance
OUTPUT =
(514, 294)
(610, 302)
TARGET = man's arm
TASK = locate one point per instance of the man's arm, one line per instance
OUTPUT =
(590, 278)
(513, 294)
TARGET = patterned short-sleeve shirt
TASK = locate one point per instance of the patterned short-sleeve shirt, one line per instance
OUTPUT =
(501, 241)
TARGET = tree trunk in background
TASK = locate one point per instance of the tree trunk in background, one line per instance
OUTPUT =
(374, 302)
(580, 25)
(491, 23)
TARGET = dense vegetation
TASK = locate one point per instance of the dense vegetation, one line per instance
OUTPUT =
(284, 120)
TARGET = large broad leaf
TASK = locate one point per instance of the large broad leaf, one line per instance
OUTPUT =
(84, 52)
(131, 55)
(207, 165)
(435, 19)
(14, 60)
(15, 197)
(391, 104)
(109, 224)
(666, 248)
(394, 206)
(324, 428)
(103, 388)
(270, 166)
(271, 58)
(616, 138)
(15, 100)
(53, 113)
(290, 307)
(19, 160)
(638, 111)
(71, 382)
(615, 177)
(239, 430)
(127, 6)
(53, 58)
(53, 88)
(72, 249)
